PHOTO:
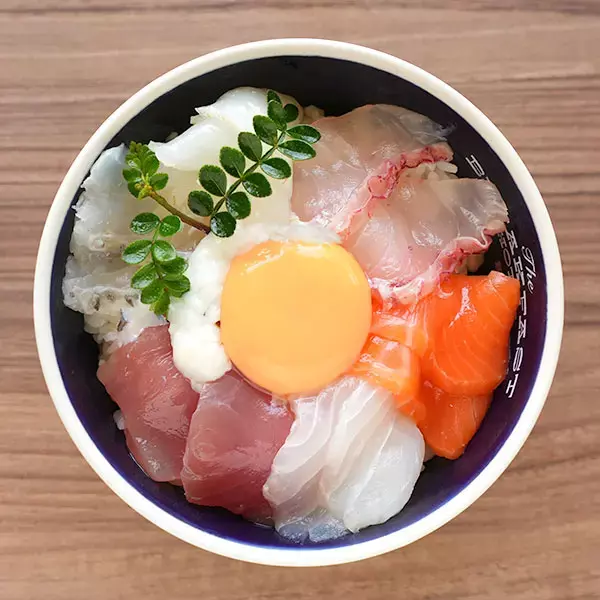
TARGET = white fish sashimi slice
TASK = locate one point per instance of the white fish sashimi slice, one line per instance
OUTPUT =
(382, 180)
(105, 209)
(293, 484)
(381, 245)
(354, 467)
(111, 308)
(362, 412)
(97, 281)
(241, 105)
(199, 145)
(378, 132)
(426, 229)
(384, 478)
(353, 476)
(105, 290)
(358, 159)
(216, 126)
(292, 488)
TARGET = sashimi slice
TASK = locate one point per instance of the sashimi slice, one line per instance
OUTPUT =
(395, 367)
(402, 323)
(97, 282)
(104, 210)
(359, 157)
(156, 402)
(112, 311)
(350, 461)
(234, 435)
(215, 126)
(451, 421)
(469, 322)
(423, 230)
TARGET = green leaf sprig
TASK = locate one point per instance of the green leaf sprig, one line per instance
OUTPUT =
(273, 131)
(162, 276)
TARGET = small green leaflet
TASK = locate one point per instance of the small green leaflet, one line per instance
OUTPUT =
(273, 97)
(144, 223)
(297, 150)
(201, 203)
(159, 181)
(161, 306)
(265, 129)
(277, 114)
(136, 252)
(213, 180)
(135, 188)
(132, 175)
(256, 184)
(238, 205)
(178, 287)
(306, 133)
(144, 277)
(169, 226)
(151, 293)
(222, 224)
(250, 145)
(291, 112)
(232, 161)
(278, 168)
(172, 268)
(163, 251)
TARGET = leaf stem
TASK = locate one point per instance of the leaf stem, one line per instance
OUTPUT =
(174, 211)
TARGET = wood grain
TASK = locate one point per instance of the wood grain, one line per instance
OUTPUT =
(532, 66)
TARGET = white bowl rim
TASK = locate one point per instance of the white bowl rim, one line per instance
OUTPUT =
(298, 556)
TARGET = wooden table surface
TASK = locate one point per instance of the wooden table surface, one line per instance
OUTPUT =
(532, 65)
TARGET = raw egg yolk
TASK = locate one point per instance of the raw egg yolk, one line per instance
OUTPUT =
(294, 315)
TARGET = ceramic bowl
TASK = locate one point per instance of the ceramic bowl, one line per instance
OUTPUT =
(336, 77)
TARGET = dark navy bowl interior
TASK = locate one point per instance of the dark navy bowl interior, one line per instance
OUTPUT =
(337, 86)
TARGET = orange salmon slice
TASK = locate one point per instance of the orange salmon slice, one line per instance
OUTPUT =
(392, 365)
(469, 323)
(450, 421)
